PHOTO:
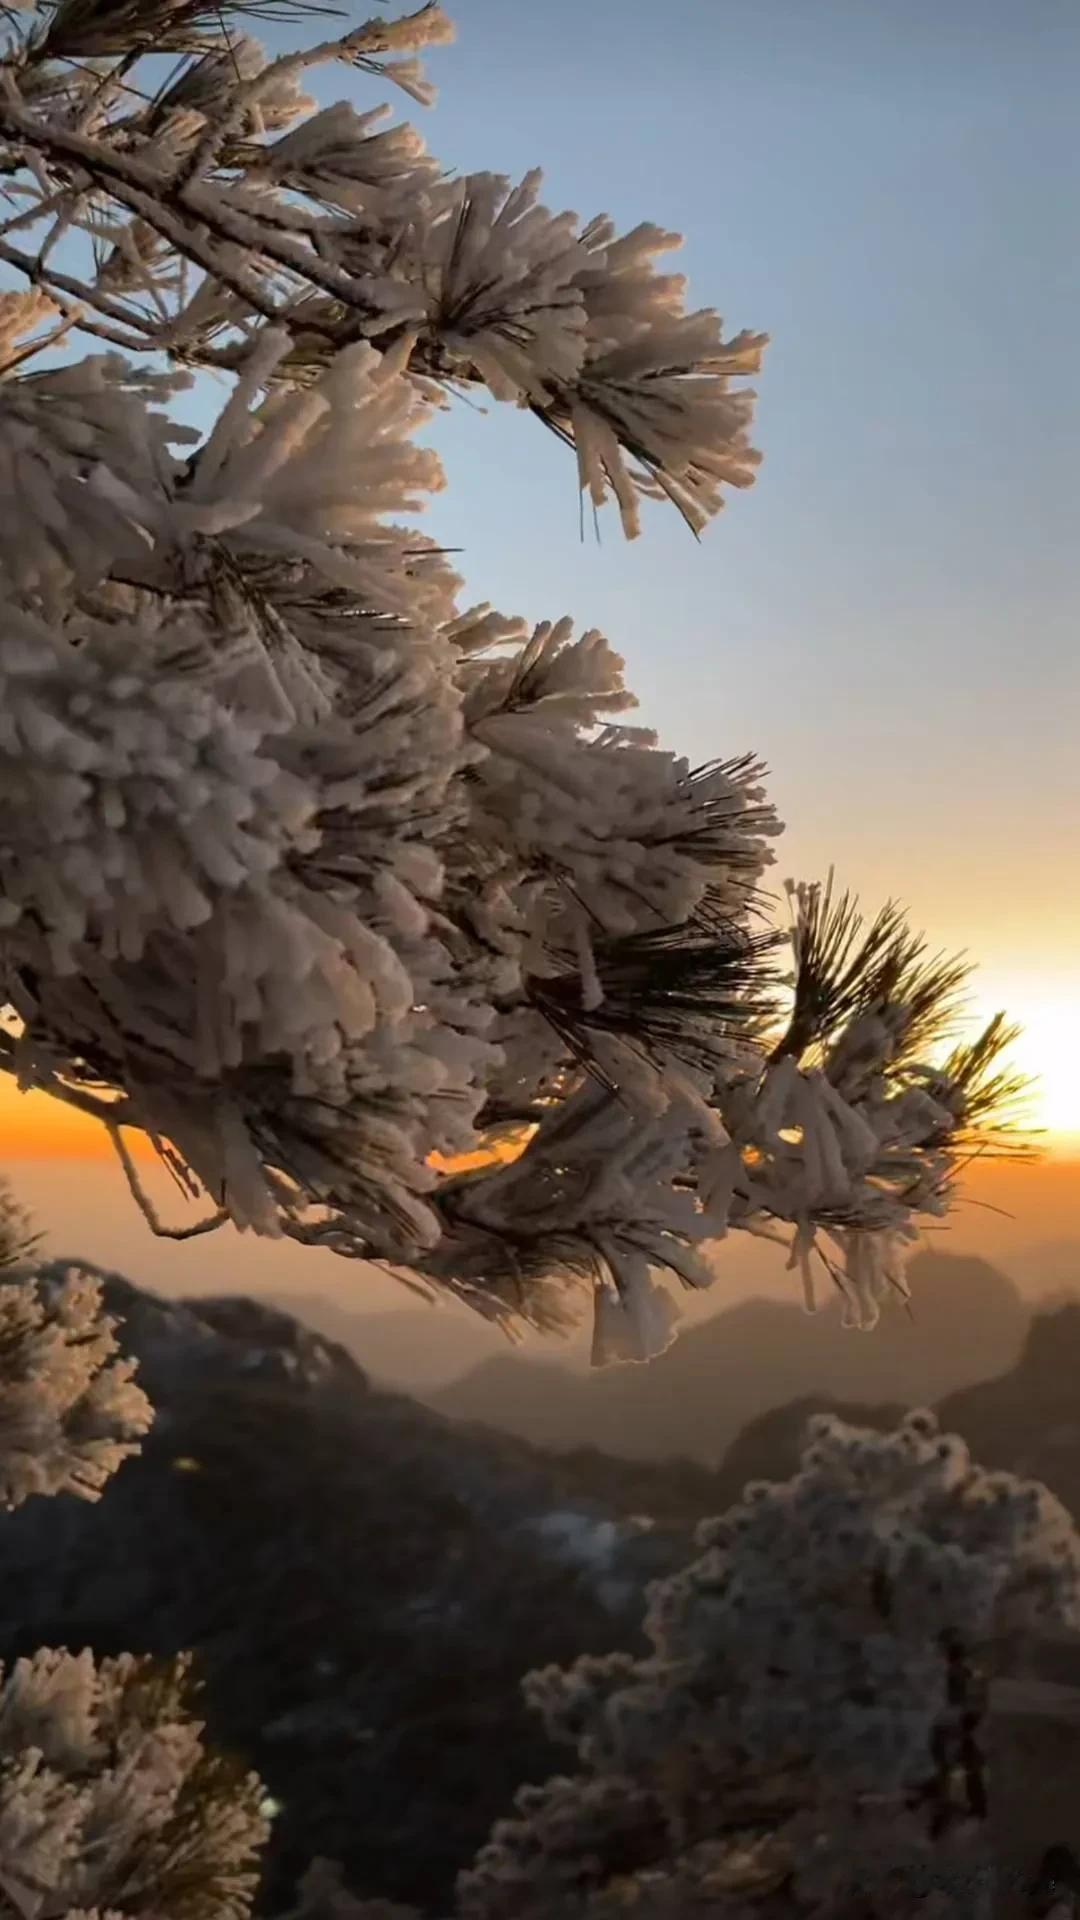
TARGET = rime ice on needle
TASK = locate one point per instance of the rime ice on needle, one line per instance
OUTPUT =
(315, 876)
(110, 1805)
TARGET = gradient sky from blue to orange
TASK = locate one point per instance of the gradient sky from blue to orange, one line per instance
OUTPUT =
(889, 616)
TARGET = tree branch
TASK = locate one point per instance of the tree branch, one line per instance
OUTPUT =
(146, 1205)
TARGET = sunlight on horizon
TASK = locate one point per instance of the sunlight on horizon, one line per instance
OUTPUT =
(36, 1125)
(1047, 1051)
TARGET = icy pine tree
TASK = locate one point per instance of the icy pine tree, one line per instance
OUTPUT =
(370, 910)
(806, 1737)
(70, 1410)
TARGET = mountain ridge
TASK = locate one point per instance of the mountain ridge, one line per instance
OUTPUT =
(967, 1322)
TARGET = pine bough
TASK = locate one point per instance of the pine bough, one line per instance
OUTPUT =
(372, 911)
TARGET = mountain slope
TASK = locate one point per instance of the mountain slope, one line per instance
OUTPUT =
(1026, 1419)
(967, 1322)
(339, 1558)
(418, 1350)
(1029, 1418)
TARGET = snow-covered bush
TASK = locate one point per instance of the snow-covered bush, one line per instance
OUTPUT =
(109, 1802)
(70, 1411)
(324, 882)
(807, 1735)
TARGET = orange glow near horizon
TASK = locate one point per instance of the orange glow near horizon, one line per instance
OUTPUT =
(38, 1126)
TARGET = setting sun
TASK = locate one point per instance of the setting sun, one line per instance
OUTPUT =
(1047, 1049)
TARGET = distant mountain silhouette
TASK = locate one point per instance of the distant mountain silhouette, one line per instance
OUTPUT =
(1026, 1420)
(769, 1447)
(967, 1322)
(421, 1349)
(1029, 1418)
(1049, 1267)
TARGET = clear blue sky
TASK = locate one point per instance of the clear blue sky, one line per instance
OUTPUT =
(890, 614)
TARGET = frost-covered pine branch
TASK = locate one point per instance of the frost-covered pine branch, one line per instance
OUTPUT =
(331, 886)
(110, 1803)
(222, 199)
(806, 1739)
(70, 1411)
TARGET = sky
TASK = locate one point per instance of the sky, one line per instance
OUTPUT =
(888, 617)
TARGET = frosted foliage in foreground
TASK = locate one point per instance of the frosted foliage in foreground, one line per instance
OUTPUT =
(806, 1736)
(70, 1412)
(321, 880)
(109, 1802)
